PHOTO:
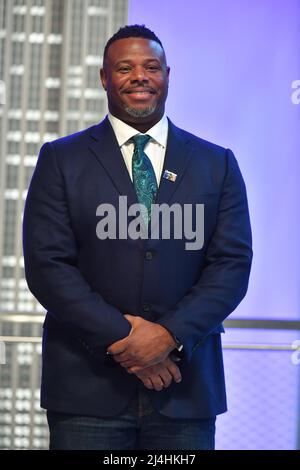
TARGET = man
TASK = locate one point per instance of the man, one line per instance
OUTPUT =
(132, 354)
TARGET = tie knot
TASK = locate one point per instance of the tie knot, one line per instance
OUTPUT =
(140, 140)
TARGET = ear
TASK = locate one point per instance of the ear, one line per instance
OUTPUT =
(103, 78)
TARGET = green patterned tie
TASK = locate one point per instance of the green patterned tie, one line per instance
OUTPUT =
(143, 175)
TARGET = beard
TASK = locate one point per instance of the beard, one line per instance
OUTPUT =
(138, 113)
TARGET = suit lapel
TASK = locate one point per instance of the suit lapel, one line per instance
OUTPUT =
(104, 145)
(177, 156)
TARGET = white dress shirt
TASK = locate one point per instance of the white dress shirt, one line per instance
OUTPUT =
(155, 149)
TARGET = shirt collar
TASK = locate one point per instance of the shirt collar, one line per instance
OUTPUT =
(124, 132)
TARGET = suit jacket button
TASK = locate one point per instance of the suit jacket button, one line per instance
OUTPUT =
(146, 308)
(149, 255)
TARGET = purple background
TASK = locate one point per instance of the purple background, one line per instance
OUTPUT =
(232, 66)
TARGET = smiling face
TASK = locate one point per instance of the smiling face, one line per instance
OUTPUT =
(136, 78)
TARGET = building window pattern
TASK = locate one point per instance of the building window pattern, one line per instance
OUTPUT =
(57, 16)
(37, 24)
(12, 173)
(72, 126)
(55, 60)
(38, 3)
(34, 95)
(97, 27)
(14, 124)
(32, 148)
(19, 2)
(60, 97)
(10, 213)
(53, 99)
(78, 8)
(13, 148)
(73, 104)
(2, 58)
(52, 127)
(98, 3)
(92, 77)
(119, 13)
(3, 10)
(17, 53)
(15, 91)
(32, 126)
(94, 105)
(19, 23)
(23, 423)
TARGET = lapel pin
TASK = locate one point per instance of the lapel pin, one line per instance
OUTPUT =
(168, 175)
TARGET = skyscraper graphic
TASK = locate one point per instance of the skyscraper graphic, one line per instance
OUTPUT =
(50, 54)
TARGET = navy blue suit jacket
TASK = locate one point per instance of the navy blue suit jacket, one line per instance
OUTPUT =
(87, 284)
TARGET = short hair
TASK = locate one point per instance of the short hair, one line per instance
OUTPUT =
(132, 31)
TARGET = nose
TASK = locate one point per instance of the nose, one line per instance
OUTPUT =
(139, 75)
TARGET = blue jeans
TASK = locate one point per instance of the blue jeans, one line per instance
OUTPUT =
(139, 427)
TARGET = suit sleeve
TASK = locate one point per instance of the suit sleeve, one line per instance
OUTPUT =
(224, 280)
(50, 255)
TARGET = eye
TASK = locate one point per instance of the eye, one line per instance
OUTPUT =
(124, 69)
(153, 68)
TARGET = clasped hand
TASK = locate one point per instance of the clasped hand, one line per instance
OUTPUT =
(145, 352)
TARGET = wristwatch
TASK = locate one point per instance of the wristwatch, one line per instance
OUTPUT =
(178, 352)
(179, 345)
